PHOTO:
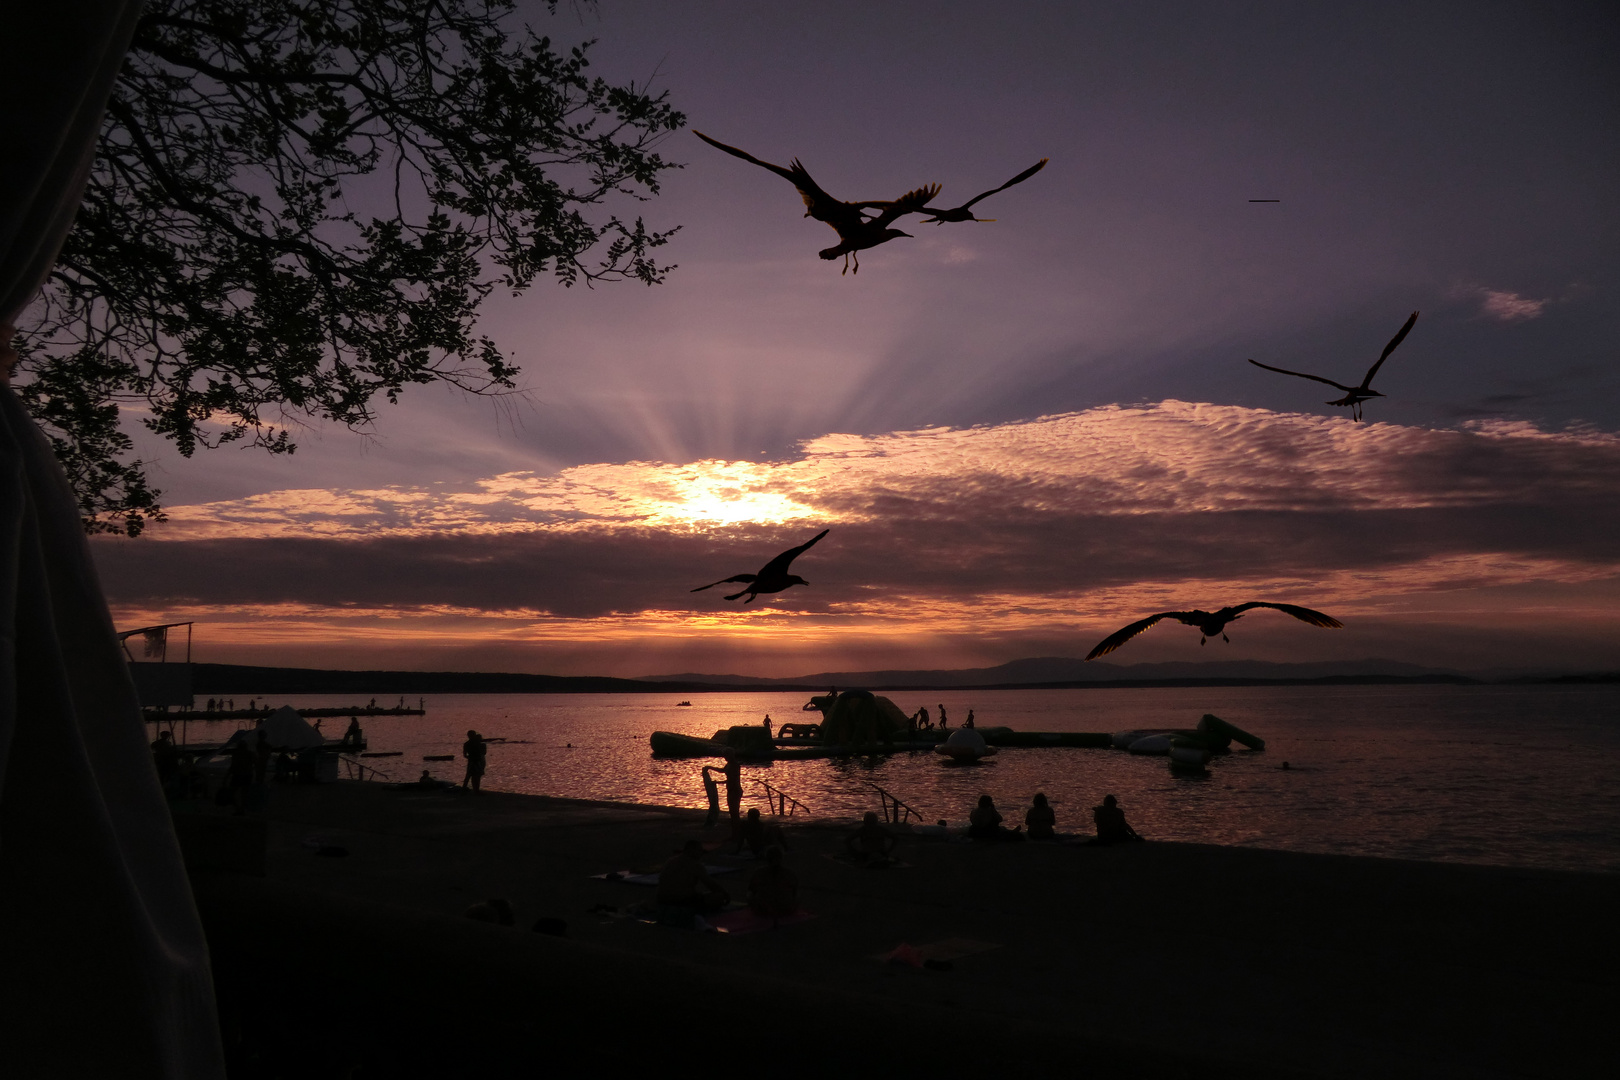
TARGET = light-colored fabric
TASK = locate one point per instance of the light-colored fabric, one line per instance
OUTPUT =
(103, 965)
(286, 728)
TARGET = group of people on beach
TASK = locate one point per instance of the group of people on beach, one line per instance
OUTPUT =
(1040, 821)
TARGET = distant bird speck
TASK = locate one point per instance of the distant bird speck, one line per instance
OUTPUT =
(1209, 623)
(773, 577)
(1354, 395)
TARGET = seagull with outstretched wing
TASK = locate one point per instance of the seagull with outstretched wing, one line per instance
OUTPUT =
(965, 211)
(1354, 395)
(772, 577)
(1209, 623)
(856, 231)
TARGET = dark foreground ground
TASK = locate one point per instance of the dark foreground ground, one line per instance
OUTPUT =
(1154, 960)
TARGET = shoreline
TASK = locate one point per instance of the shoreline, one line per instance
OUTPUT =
(1161, 957)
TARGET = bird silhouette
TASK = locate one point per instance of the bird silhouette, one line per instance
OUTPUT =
(965, 211)
(773, 576)
(1209, 623)
(856, 232)
(1354, 395)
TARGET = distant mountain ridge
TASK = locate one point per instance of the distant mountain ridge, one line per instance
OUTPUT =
(1066, 669)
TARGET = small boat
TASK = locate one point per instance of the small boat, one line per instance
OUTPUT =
(964, 745)
(683, 704)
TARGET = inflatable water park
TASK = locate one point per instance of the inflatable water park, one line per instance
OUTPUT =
(859, 722)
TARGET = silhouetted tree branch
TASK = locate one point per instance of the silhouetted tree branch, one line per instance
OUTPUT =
(298, 205)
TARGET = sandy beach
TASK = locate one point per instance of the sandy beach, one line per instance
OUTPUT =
(1158, 959)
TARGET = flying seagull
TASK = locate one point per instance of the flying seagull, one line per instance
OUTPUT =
(965, 211)
(1209, 623)
(773, 577)
(1354, 395)
(856, 232)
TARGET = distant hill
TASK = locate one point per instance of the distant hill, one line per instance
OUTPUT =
(238, 679)
(1050, 670)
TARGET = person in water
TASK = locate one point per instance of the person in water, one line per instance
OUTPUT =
(1040, 820)
(757, 836)
(871, 844)
(684, 883)
(984, 823)
(1112, 828)
(773, 891)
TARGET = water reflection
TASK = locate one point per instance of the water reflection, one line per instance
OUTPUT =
(1507, 775)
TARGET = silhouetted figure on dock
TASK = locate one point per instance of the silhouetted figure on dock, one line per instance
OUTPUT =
(943, 723)
(772, 577)
(1040, 819)
(476, 751)
(685, 889)
(871, 844)
(1112, 828)
(1210, 623)
(767, 722)
(354, 738)
(968, 723)
(773, 890)
(984, 823)
(1353, 395)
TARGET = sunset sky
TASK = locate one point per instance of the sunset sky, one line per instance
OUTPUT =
(1021, 434)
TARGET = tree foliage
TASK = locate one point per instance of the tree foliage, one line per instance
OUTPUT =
(299, 205)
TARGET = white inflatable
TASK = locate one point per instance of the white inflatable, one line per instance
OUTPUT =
(965, 744)
(1158, 745)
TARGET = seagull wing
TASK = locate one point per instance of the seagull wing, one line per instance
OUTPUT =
(1304, 614)
(746, 156)
(822, 206)
(1302, 375)
(1125, 633)
(779, 565)
(1394, 341)
(725, 580)
(912, 202)
(1019, 179)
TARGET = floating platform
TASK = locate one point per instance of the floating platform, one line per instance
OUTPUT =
(670, 744)
(152, 715)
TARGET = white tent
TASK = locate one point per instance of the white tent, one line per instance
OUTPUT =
(287, 730)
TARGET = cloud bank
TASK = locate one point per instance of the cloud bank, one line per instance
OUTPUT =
(1048, 530)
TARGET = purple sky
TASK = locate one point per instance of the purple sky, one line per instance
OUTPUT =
(1457, 159)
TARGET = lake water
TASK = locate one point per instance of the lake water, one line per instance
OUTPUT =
(1489, 774)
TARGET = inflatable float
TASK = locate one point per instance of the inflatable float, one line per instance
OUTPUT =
(964, 745)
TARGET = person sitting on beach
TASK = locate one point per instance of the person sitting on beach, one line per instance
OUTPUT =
(685, 883)
(984, 823)
(773, 891)
(1112, 828)
(758, 836)
(871, 844)
(1040, 820)
(476, 751)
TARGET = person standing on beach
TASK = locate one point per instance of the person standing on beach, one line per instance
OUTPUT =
(733, 771)
(475, 750)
